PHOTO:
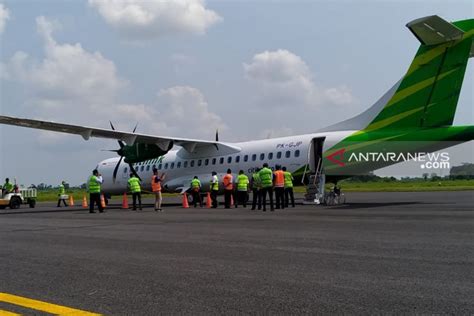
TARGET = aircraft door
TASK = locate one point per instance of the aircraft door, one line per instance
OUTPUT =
(316, 154)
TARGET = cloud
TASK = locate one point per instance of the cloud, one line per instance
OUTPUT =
(184, 111)
(4, 16)
(285, 79)
(149, 19)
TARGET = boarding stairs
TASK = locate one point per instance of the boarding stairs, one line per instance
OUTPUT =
(315, 186)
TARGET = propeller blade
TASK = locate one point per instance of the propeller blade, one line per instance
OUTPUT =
(112, 125)
(134, 172)
(116, 168)
(135, 128)
(217, 135)
(112, 150)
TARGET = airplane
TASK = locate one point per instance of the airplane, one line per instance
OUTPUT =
(410, 120)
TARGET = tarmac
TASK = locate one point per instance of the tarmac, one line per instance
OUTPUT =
(379, 253)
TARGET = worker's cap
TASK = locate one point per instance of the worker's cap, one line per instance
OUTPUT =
(154, 169)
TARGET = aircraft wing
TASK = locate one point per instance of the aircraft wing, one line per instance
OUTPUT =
(163, 142)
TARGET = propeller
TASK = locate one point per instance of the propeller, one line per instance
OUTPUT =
(121, 154)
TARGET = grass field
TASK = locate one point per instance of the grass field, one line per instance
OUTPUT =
(348, 186)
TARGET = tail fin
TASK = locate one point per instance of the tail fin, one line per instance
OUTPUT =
(428, 94)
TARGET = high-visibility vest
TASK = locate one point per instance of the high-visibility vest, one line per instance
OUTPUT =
(214, 183)
(61, 189)
(265, 175)
(195, 184)
(228, 181)
(288, 179)
(279, 179)
(94, 186)
(134, 185)
(155, 185)
(8, 186)
(256, 182)
(242, 182)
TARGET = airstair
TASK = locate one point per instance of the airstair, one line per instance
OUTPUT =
(315, 186)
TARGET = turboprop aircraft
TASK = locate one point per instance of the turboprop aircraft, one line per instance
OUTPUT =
(410, 120)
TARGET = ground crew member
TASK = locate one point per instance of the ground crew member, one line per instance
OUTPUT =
(279, 185)
(134, 186)
(61, 193)
(228, 182)
(266, 178)
(214, 189)
(95, 180)
(196, 191)
(256, 184)
(288, 187)
(156, 188)
(242, 189)
(7, 187)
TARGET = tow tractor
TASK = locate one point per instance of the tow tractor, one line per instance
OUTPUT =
(17, 197)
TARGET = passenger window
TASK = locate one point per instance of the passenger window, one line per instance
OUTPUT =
(125, 170)
(206, 162)
(262, 156)
(178, 165)
(297, 153)
(166, 165)
(237, 159)
(246, 158)
(192, 163)
(141, 169)
(229, 159)
(279, 155)
(148, 168)
(270, 156)
(214, 160)
(172, 165)
(185, 164)
(160, 166)
(288, 154)
(221, 160)
(254, 157)
(199, 163)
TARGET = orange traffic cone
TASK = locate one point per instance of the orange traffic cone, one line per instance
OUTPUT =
(84, 202)
(185, 200)
(71, 200)
(208, 200)
(125, 201)
(102, 201)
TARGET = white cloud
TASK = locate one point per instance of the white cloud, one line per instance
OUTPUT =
(183, 111)
(145, 19)
(4, 16)
(283, 78)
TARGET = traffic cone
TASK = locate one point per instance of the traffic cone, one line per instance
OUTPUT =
(125, 201)
(102, 201)
(84, 202)
(185, 200)
(208, 200)
(71, 200)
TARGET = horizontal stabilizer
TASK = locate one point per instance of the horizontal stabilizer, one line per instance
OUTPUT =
(433, 30)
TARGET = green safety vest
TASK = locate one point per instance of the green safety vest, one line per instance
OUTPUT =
(61, 189)
(195, 184)
(266, 177)
(256, 182)
(215, 185)
(242, 182)
(134, 185)
(94, 186)
(8, 186)
(288, 179)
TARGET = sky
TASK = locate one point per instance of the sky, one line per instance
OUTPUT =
(251, 69)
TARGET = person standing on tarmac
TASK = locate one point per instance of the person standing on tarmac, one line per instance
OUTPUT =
(196, 191)
(61, 193)
(242, 189)
(214, 189)
(228, 182)
(256, 184)
(134, 186)
(95, 180)
(266, 178)
(288, 188)
(279, 184)
(156, 188)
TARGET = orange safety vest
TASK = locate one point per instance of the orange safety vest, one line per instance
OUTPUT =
(227, 180)
(155, 186)
(279, 178)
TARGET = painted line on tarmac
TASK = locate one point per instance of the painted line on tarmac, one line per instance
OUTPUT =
(40, 306)
(7, 313)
